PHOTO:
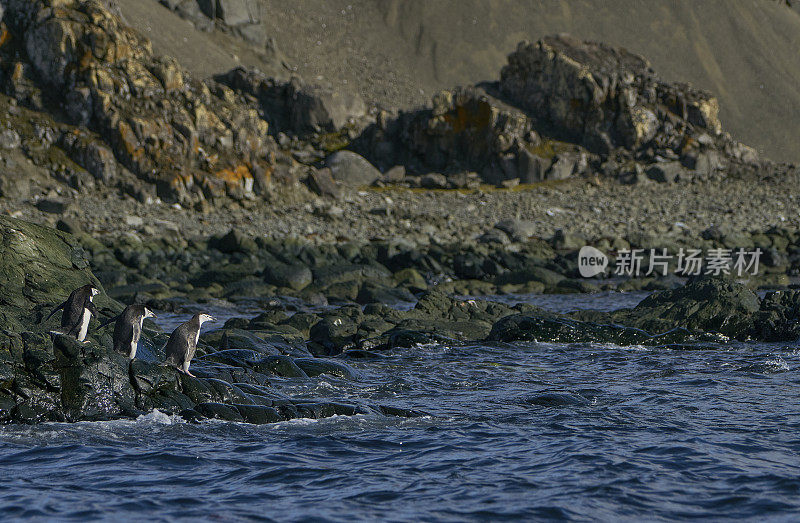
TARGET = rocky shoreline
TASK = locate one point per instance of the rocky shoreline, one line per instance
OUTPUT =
(339, 313)
(349, 229)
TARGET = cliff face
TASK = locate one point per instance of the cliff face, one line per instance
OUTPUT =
(129, 111)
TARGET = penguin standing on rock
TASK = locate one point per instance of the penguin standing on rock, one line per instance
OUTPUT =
(183, 342)
(128, 329)
(78, 310)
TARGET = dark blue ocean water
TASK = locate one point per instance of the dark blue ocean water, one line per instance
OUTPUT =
(516, 431)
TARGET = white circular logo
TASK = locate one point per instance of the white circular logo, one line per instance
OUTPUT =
(591, 261)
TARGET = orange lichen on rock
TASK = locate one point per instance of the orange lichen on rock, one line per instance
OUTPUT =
(238, 176)
(5, 35)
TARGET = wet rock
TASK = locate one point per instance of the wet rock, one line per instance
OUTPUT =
(280, 365)
(547, 327)
(372, 292)
(296, 277)
(704, 305)
(776, 319)
(317, 366)
(258, 414)
(219, 411)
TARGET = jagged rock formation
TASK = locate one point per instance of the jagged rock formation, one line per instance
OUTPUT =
(563, 107)
(168, 129)
(468, 130)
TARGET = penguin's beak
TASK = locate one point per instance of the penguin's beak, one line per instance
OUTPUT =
(152, 315)
(213, 318)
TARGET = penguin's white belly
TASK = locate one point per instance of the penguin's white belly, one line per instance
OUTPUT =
(84, 324)
(196, 338)
(137, 333)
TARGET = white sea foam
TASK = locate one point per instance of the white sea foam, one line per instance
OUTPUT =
(777, 365)
(156, 417)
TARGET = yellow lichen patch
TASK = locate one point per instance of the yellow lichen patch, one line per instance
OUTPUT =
(548, 148)
(181, 180)
(5, 36)
(332, 142)
(16, 74)
(85, 60)
(128, 139)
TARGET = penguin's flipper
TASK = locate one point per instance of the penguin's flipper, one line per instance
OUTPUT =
(54, 311)
(115, 318)
(92, 309)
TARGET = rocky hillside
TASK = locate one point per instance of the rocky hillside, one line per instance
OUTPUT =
(92, 105)
(400, 52)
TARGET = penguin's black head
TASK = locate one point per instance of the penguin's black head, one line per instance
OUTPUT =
(90, 289)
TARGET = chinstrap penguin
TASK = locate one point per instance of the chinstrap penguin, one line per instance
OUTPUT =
(128, 329)
(78, 310)
(182, 342)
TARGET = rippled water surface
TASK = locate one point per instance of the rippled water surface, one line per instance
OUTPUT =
(534, 431)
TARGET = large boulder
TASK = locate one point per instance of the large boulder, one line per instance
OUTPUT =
(705, 305)
(351, 169)
(603, 97)
(231, 12)
(467, 130)
(296, 107)
(317, 108)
